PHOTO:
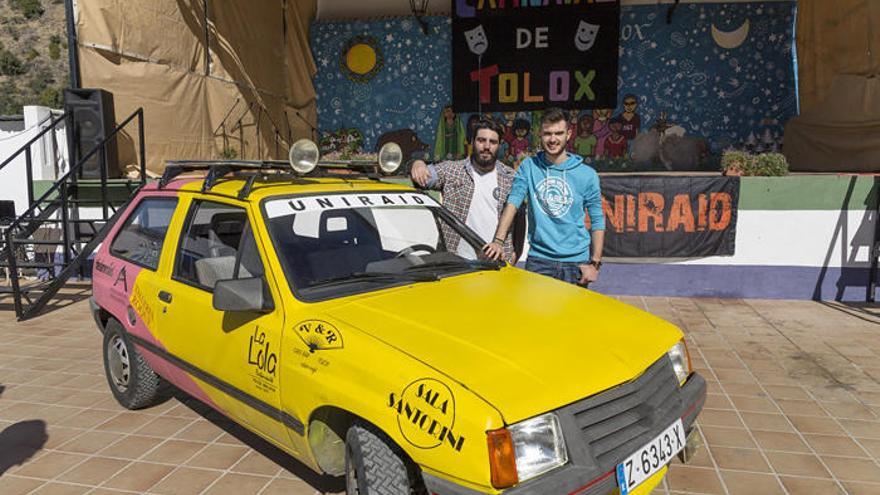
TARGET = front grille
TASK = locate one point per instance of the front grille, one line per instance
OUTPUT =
(616, 422)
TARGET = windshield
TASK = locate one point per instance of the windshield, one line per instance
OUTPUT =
(341, 244)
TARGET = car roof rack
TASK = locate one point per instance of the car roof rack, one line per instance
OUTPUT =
(343, 169)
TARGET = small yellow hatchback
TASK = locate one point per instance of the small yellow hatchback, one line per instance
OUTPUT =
(324, 313)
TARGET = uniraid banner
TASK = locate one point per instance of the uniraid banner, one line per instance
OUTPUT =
(663, 217)
(513, 55)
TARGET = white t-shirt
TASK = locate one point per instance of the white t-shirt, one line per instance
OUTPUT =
(483, 214)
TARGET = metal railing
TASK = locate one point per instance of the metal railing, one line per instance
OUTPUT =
(26, 149)
(77, 246)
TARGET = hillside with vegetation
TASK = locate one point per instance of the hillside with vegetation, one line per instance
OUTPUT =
(33, 54)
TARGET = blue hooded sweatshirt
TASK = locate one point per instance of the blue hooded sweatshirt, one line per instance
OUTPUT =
(558, 196)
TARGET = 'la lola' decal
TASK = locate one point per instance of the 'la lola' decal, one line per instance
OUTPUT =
(426, 414)
(262, 360)
(319, 335)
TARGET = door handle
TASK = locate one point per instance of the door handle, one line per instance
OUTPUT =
(164, 296)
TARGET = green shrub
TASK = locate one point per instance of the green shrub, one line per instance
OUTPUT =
(734, 162)
(31, 54)
(40, 80)
(30, 9)
(55, 47)
(50, 97)
(12, 31)
(9, 99)
(770, 165)
(10, 65)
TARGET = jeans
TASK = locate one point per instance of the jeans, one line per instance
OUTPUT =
(563, 270)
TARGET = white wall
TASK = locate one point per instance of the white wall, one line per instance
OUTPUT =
(13, 177)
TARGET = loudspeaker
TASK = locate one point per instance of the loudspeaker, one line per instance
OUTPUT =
(93, 119)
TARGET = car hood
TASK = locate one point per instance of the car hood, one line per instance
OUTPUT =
(525, 343)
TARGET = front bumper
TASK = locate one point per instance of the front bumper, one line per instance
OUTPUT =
(586, 473)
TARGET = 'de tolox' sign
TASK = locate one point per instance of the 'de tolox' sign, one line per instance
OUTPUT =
(511, 55)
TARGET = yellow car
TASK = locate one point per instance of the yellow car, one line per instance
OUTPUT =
(324, 313)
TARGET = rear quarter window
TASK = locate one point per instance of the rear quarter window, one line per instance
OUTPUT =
(142, 236)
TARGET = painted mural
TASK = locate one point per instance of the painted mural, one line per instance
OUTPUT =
(407, 92)
(718, 76)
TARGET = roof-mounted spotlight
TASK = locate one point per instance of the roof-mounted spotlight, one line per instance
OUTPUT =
(390, 158)
(303, 156)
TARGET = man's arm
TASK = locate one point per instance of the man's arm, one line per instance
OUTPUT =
(428, 176)
(495, 249)
(590, 271)
(597, 242)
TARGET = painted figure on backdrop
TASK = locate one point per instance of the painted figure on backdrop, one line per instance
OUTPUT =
(573, 125)
(519, 141)
(615, 143)
(630, 121)
(537, 115)
(600, 129)
(449, 143)
(585, 142)
(507, 126)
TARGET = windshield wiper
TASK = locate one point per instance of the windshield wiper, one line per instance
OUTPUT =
(373, 277)
(476, 264)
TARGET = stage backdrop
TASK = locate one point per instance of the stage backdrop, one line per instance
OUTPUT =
(507, 57)
(722, 73)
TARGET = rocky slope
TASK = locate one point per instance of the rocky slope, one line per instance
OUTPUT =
(33, 54)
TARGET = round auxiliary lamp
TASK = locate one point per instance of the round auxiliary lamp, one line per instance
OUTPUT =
(390, 158)
(304, 156)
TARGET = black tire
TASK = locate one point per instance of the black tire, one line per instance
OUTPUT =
(132, 381)
(373, 466)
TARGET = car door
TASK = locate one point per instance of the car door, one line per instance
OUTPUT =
(234, 356)
(127, 272)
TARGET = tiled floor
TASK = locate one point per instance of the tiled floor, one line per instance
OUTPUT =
(793, 407)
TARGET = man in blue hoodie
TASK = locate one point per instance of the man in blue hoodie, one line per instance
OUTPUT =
(560, 187)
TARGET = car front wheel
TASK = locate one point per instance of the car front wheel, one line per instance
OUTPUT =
(372, 466)
(132, 381)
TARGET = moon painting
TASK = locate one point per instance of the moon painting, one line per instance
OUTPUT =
(731, 39)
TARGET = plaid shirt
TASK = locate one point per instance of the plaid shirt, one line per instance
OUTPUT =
(454, 180)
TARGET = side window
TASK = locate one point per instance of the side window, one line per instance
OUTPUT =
(141, 238)
(217, 244)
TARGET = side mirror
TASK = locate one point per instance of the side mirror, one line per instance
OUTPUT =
(244, 294)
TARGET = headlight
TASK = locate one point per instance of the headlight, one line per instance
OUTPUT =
(681, 361)
(539, 446)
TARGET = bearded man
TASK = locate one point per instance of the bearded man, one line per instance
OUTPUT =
(474, 189)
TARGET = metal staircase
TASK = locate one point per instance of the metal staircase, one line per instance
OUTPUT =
(54, 237)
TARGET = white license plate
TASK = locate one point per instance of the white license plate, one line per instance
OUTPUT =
(650, 457)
